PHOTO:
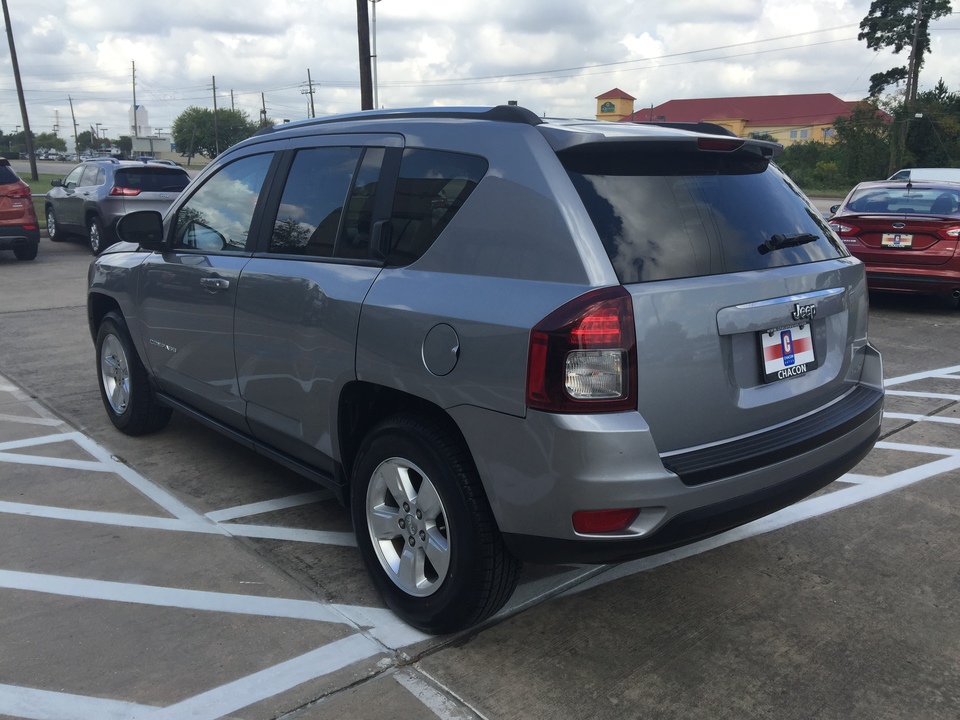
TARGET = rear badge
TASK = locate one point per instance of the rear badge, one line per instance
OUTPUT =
(787, 352)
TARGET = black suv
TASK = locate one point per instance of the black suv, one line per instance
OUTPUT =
(97, 193)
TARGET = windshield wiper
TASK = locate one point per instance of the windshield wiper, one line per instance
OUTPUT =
(779, 241)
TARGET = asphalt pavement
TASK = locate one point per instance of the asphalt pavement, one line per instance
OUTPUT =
(179, 575)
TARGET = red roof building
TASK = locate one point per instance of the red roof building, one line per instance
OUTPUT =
(786, 118)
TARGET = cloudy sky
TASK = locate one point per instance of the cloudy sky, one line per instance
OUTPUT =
(552, 56)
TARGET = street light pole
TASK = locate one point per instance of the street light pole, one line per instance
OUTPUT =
(373, 57)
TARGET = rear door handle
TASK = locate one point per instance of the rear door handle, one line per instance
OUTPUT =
(214, 283)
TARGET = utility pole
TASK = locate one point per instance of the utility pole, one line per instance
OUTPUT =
(73, 116)
(216, 134)
(263, 110)
(232, 106)
(136, 125)
(27, 135)
(309, 91)
(363, 41)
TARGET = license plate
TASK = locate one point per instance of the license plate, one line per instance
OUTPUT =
(896, 240)
(787, 352)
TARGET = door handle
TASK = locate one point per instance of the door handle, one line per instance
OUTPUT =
(214, 283)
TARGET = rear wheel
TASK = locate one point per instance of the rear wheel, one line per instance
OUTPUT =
(95, 233)
(124, 387)
(425, 529)
(53, 230)
(26, 252)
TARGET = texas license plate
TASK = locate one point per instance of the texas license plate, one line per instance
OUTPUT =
(896, 240)
(787, 352)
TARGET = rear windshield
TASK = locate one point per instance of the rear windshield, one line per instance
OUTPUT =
(688, 214)
(7, 175)
(152, 179)
(904, 200)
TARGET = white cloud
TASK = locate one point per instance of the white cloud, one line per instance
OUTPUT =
(553, 56)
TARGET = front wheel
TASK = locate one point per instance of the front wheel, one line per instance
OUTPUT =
(124, 387)
(425, 529)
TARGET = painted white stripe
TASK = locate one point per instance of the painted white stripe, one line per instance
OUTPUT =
(269, 505)
(804, 510)
(922, 418)
(434, 700)
(42, 440)
(921, 375)
(26, 420)
(925, 395)
(382, 624)
(274, 532)
(23, 702)
(110, 518)
(66, 463)
(272, 681)
(854, 479)
(158, 596)
(927, 449)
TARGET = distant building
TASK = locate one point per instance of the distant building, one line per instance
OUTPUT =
(787, 119)
(614, 105)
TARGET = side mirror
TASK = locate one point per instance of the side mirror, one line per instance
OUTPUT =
(144, 228)
(833, 209)
(57, 182)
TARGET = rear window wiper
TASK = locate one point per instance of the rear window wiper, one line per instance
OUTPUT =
(779, 241)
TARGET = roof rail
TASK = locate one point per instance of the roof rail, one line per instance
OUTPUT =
(499, 113)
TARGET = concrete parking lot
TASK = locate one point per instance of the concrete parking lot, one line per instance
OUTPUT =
(182, 576)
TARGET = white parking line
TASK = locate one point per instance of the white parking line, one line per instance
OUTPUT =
(377, 629)
(269, 505)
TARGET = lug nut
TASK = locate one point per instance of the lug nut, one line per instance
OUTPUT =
(406, 507)
(412, 541)
(402, 523)
(419, 514)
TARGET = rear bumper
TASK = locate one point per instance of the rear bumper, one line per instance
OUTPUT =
(14, 237)
(937, 280)
(541, 469)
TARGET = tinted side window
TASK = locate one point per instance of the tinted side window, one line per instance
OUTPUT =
(7, 175)
(313, 199)
(433, 185)
(73, 178)
(152, 179)
(671, 215)
(217, 216)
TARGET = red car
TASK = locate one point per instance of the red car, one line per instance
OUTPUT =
(19, 229)
(905, 233)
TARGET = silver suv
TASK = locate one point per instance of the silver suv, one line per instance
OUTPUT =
(499, 338)
(97, 193)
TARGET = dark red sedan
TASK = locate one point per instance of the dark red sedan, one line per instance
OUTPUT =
(905, 233)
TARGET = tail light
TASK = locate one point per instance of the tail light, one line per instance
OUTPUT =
(20, 192)
(124, 191)
(583, 356)
(843, 229)
(949, 233)
(719, 144)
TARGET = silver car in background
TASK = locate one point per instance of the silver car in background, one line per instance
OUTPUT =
(499, 338)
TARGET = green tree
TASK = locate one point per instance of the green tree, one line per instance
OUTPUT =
(194, 130)
(49, 141)
(125, 143)
(84, 141)
(893, 24)
(933, 129)
(863, 143)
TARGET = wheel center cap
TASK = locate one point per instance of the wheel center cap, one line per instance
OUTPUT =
(411, 524)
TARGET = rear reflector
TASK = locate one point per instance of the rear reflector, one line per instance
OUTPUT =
(592, 522)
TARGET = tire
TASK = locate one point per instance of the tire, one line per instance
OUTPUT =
(425, 529)
(98, 240)
(27, 252)
(53, 229)
(124, 387)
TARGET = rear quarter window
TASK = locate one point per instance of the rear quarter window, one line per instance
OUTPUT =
(662, 216)
(7, 175)
(433, 185)
(152, 179)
